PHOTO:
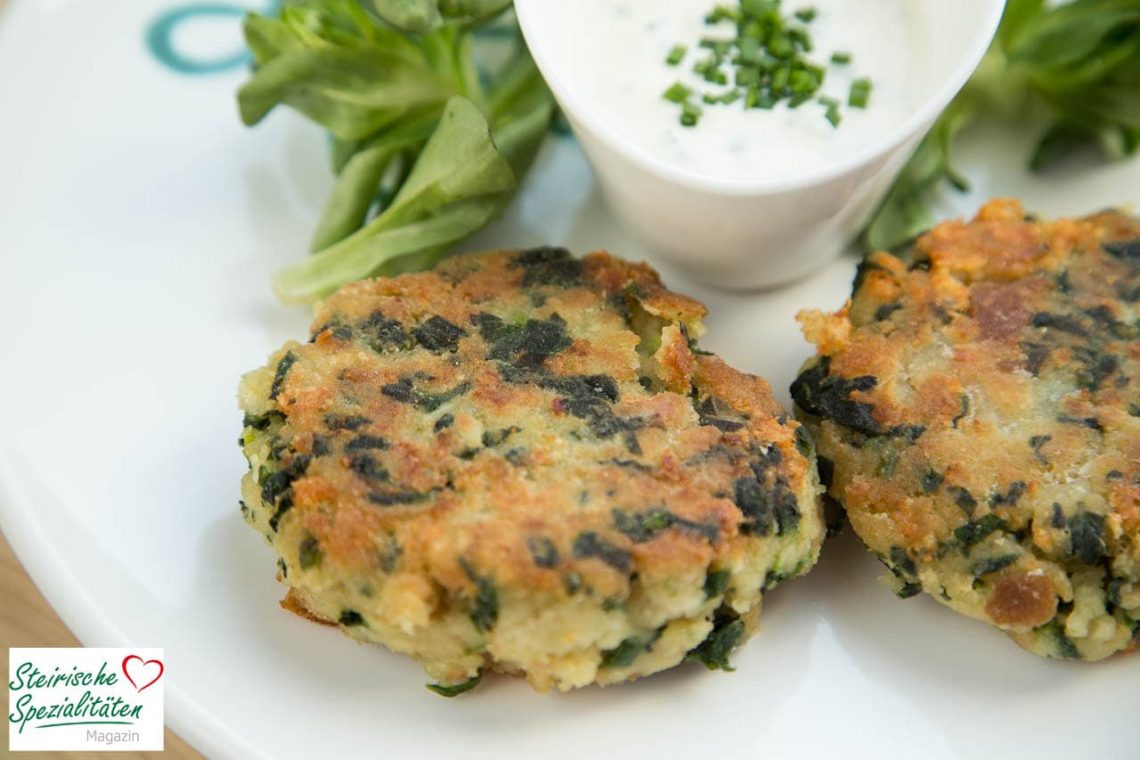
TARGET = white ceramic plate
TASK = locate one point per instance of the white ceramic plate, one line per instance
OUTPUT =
(139, 223)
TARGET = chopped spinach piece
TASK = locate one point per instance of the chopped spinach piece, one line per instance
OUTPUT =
(910, 432)
(444, 421)
(1090, 422)
(716, 581)
(549, 266)
(262, 421)
(388, 555)
(1058, 520)
(1098, 371)
(543, 551)
(437, 334)
(908, 589)
(345, 421)
(1087, 537)
(713, 652)
(975, 530)
(404, 392)
(1060, 322)
(1123, 249)
(590, 544)
(804, 443)
(1036, 442)
(335, 327)
(1035, 356)
(350, 618)
(283, 368)
(931, 481)
(901, 561)
(624, 654)
(455, 689)
(485, 609)
(309, 552)
(366, 466)
(382, 333)
(963, 410)
(526, 345)
(277, 486)
(964, 499)
(1015, 491)
(992, 564)
(495, 437)
(629, 464)
(885, 311)
(1065, 646)
(644, 526)
(365, 442)
(765, 509)
(398, 497)
(817, 393)
(727, 426)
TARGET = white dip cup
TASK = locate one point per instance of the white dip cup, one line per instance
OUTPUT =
(754, 233)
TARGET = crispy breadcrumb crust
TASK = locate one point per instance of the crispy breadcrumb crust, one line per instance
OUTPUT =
(976, 405)
(521, 461)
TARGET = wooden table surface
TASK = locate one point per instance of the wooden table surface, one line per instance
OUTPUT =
(27, 620)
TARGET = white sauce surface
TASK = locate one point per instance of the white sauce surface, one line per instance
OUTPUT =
(622, 74)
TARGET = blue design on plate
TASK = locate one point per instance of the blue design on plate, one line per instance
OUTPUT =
(160, 37)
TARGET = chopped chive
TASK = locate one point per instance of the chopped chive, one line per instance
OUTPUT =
(677, 93)
(798, 100)
(780, 79)
(747, 77)
(720, 48)
(860, 93)
(803, 82)
(801, 39)
(781, 46)
(762, 61)
(690, 115)
(730, 97)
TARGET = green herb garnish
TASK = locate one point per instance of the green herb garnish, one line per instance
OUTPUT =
(677, 93)
(860, 93)
(454, 690)
(1077, 61)
(427, 148)
(766, 62)
(676, 55)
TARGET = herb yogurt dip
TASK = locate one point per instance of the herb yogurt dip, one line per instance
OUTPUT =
(624, 72)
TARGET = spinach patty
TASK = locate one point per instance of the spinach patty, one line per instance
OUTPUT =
(520, 462)
(977, 408)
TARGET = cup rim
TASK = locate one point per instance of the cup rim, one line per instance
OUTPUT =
(918, 120)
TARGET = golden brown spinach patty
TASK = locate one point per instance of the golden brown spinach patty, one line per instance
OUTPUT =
(521, 461)
(977, 410)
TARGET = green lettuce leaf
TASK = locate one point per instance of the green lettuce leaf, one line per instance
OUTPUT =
(1079, 62)
(459, 183)
(427, 146)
